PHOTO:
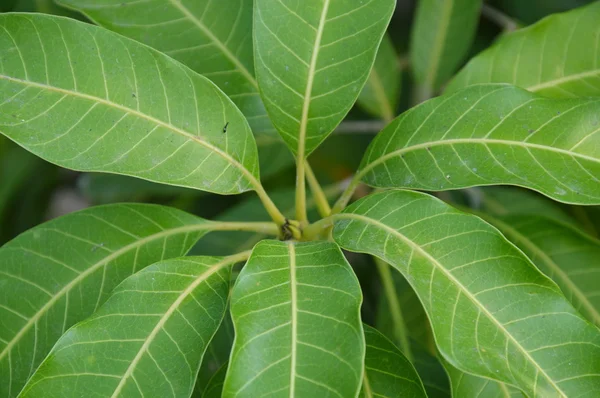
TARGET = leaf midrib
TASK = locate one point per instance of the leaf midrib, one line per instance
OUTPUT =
(457, 283)
(483, 141)
(139, 114)
(218, 43)
(564, 79)
(125, 249)
(309, 84)
(550, 263)
(294, 320)
(161, 323)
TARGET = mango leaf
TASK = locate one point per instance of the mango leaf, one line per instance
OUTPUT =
(213, 39)
(295, 309)
(214, 389)
(568, 256)
(387, 372)
(312, 59)
(492, 312)
(60, 272)
(136, 112)
(492, 134)
(554, 57)
(468, 385)
(147, 339)
(442, 34)
(381, 93)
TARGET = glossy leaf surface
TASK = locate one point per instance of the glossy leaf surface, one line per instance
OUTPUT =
(295, 309)
(148, 339)
(492, 134)
(312, 59)
(381, 93)
(556, 57)
(441, 37)
(387, 372)
(60, 272)
(568, 256)
(492, 312)
(136, 112)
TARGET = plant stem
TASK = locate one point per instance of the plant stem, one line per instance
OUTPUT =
(237, 258)
(268, 228)
(318, 194)
(314, 230)
(347, 194)
(300, 189)
(269, 205)
(499, 18)
(400, 333)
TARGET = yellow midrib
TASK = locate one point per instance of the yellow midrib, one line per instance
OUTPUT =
(457, 283)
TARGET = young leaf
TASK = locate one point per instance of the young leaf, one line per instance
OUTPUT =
(492, 134)
(60, 272)
(88, 99)
(147, 339)
(387, 371)
(381, 93)
(492, 312)
(568, 256)
(312, 59)
(441, 37)
(555, 57)
(295, 309)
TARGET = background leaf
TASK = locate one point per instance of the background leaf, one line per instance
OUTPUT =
(295, 309)
(568, 256)
(60, 272)
(492, 312)
(381, 93)
(387, 372)
(492, 134)
(137, 112)
(442, 34)
(148, 338)
(214, 388)
(556, 57)
(302, 56)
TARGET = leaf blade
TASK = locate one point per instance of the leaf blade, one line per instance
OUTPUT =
(477, 137)
(281, 333)
(387, 371)
(107, 239)
(529, 57)
(297, 71)
(167, 293)
(147, 105)
(523, 356)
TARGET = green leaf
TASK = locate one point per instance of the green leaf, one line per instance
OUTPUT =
(468, 385)
(442, 34)
(492, 312)
(211, 38)
(387, 372)
(16, 167)
(214, 389)
(295, 309)
(147, 339)
(381, 93)
(60, 272)
(312, 59)
(555, 57)
(568, 256)
(492, 134)
(136, 112)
